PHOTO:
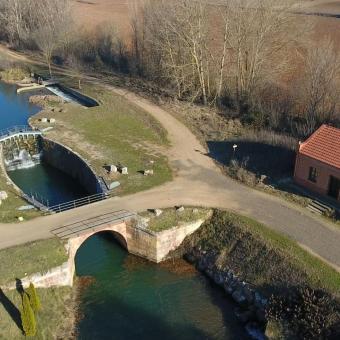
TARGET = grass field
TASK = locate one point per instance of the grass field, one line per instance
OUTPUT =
(115, 132)
(171, 218)
(57, 315)
(38, 256)
(269, 258)
(54, 321)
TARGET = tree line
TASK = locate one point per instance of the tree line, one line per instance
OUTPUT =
(254, 60)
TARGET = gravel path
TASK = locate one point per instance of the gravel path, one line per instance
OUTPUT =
(197, 181)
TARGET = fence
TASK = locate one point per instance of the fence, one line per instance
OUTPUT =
(79, 202)
(93, 223)
(24, 129)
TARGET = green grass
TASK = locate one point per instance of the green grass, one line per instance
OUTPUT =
(53, 321)
(38, 256)
(8, 208)
(170, 218)
(318, 273)
(116, 132)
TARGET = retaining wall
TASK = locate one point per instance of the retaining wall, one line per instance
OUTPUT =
(65, 159)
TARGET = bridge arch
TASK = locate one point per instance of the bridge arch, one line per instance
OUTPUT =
(119, 231)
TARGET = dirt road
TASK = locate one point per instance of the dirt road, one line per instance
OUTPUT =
(198, 181)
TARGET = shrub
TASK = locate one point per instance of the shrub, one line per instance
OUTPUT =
(311, 314)
(34, 298)
(27, 317)
(14, 74)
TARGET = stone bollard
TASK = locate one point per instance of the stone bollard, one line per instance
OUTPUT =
(112, 168)
(158, 212)
(3, 195)
(43, 120)
(51, 120)
(180, 209)
(124, 170)
(148, 172)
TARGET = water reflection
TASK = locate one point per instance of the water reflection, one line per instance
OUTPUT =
(134, 299)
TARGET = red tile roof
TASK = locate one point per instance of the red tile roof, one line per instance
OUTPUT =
(323, 145)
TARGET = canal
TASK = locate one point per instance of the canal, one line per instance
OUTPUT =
(133, 299)
(128, 298)
(46, 184)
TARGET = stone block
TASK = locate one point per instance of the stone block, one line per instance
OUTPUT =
(148, 172)
(158, 212)
(114, 185)
(239, 298)
(43, 120)
(3, 195)
(51, 120)
(180, 209)
(124, 170)
(112, 168)
(20, 219)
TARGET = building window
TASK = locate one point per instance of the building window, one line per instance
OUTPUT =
(312, 174)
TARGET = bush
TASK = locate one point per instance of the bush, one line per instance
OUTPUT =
(27, 317)
(14, 74)
(34, 298)
(311, 314)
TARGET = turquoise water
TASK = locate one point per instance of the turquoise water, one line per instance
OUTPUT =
(48, 185)
(131, 298)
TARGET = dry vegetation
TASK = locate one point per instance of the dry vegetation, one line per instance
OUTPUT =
(257, 61)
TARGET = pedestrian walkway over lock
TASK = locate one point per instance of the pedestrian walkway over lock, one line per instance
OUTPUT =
(23, 131)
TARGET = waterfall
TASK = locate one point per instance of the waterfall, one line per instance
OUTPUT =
(22, 160)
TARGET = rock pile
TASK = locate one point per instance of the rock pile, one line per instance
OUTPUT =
(251, 305)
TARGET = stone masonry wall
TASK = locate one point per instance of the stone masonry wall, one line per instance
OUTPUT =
(68, 161)
(149, 245)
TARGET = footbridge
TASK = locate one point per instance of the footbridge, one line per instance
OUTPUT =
(94, 224)
(20, 131)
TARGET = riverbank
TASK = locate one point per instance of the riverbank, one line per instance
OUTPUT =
(300, 292)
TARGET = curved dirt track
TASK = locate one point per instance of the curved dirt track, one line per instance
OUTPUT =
(197, 181)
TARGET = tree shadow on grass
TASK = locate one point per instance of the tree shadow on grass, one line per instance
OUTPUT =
(11, 309)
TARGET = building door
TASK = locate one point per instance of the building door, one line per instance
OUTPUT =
(334, 187)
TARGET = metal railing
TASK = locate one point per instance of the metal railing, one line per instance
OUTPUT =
(93, 223)
(16, 130)
(79, 202)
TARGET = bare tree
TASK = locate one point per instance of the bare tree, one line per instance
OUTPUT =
(260, 34)
(53, 23)
(17, 20)
(317, 90)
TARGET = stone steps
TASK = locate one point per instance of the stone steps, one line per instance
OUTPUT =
(318, 207)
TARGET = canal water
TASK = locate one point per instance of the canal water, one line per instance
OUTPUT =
(129, 298)
(47, 184)
(133, 299)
